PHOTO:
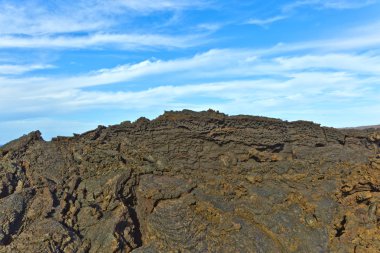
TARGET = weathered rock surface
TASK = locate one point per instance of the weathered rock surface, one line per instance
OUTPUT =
(193, 182)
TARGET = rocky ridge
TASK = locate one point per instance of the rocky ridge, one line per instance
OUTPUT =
(193, 182)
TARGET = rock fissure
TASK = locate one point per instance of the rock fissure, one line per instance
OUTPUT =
(341, 228)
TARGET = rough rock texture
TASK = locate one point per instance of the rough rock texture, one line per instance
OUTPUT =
(193, 182)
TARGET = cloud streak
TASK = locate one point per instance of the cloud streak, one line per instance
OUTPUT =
(164, 5)
(290, 9)
(267, 21)
(328, 4)
(21, 69)
(101, 40)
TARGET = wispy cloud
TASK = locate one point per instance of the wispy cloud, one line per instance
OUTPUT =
(241, 81)
(33, 18)
(353, 41)
(267, 21)
(265, 81)
(91, 24)
(288, 10)
(147, 5)
(210, 27)
(21, 69)
(101, 40)
(328, 4)
(36, 17)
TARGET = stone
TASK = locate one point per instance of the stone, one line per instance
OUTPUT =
(193, 182)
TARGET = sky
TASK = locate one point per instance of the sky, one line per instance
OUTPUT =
(67, 66)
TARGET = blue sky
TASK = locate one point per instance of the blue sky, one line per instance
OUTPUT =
(68, 66)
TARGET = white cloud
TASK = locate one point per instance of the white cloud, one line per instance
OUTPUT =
(148, 5)
(329, 4)
(350, 42)
(364, 63)
(100, 40)
(36, 17)
(287, 9)
(267, 21)
(21, 69)
(211, 27)
(244, 81)
(301, 79)
(33, 18)
(36, 24)
(89, 24)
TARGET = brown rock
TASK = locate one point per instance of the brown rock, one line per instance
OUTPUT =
(193, 182)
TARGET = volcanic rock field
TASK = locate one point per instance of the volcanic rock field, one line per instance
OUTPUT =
(193, 182)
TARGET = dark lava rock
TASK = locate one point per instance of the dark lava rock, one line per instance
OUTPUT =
(193, 182)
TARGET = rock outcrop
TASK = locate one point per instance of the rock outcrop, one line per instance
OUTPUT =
(193, 182)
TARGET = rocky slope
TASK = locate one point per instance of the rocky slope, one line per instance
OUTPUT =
(193, 182)
(364, 127)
